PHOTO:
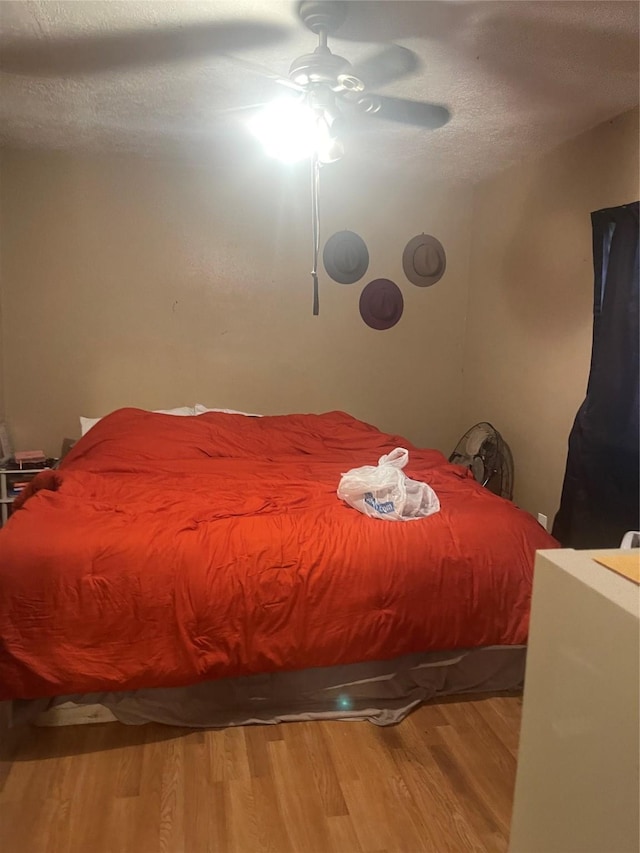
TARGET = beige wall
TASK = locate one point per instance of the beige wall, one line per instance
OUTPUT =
(529, 326)
(139, 282)
(2, 412)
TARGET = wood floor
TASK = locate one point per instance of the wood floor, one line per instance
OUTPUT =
(440, 781)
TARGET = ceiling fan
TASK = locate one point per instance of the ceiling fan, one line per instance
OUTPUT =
(323, 72)
(331, 91)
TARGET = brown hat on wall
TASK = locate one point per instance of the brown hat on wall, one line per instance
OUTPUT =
(381, 304)
(345, 257)
(424, 260)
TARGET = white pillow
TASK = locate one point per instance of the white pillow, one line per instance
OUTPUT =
(199, 409)
(181, 411)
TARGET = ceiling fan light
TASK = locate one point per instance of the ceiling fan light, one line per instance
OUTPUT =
(287, 130)
(349, 83)
(370, 104)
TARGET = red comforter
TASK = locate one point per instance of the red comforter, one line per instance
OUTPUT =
(166, 551)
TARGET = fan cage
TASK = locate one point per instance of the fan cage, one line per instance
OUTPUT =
(488, 456)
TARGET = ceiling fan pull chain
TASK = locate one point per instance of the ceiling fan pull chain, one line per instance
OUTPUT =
(315, 220)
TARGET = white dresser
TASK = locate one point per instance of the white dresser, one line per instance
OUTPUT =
(577, 786)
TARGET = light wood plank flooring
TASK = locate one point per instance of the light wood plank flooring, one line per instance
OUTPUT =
(442, 780)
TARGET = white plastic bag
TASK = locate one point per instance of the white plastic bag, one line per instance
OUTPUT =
(384, 491)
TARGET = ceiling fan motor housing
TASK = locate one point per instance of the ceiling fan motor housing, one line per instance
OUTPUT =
(318, 15)
(321, 66)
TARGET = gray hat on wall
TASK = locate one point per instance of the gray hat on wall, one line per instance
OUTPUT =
(424, 260)
(345, 257)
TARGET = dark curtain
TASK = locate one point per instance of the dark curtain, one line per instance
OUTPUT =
(600, 494)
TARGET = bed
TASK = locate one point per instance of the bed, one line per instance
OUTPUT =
(202, 570)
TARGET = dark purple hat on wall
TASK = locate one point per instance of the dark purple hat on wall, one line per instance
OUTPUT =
(381, 304)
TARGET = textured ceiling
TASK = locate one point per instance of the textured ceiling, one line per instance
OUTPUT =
(518, 77)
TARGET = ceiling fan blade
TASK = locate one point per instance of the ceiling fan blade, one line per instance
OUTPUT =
(384, 67)
(256, 68)
(91, 54)
(388, 20)
(417, 113)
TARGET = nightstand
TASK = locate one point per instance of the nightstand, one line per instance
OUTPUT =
(12, 481)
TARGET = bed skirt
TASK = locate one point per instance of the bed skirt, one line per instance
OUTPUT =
(382, 692)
